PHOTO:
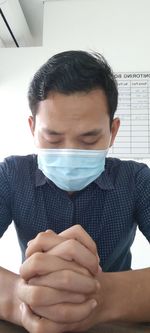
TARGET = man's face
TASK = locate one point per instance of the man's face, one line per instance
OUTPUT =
(79, 121)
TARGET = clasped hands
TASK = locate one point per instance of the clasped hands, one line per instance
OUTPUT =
(59, 287)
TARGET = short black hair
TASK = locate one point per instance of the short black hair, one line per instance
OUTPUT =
(71, 72)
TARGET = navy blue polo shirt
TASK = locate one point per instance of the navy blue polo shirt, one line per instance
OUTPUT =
(109, 209)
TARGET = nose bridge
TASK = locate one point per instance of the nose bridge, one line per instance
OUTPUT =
(70, 141)
(70, 144)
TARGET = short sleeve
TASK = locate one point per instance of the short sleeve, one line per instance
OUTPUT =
(5, 197)
(143, 201)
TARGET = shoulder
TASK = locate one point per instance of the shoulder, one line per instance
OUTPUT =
(123, 170)
(16, 166)
(128, 165)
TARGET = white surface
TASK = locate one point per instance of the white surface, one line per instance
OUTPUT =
(140, 252)
(9, 247)
(116, 28)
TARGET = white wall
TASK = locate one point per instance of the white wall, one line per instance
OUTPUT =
(16, 69)
(116, 28)
(119, 29)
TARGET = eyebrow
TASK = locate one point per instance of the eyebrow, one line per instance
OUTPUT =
(93, 132)
(51, 132)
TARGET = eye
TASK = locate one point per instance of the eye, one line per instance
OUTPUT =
(90, 143)
(54, 142)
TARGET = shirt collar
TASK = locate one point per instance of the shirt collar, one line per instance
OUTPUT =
(104, 181)
(40, 179)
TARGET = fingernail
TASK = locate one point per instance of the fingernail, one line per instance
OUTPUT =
(93, 304)
(28, 243)
(100, 269)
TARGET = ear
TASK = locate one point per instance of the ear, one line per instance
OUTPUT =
(114, 129)
(31, 122)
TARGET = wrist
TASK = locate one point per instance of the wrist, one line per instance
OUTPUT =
(114, 293)
(15, 311)
(9, 305)
(125, 296)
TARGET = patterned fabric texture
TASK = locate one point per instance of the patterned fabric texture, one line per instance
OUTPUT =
(109, 209)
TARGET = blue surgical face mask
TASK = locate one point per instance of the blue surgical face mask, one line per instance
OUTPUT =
(71, 169)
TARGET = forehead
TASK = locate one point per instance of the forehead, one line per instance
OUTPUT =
(74, 109)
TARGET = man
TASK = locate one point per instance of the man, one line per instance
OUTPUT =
(74, 209)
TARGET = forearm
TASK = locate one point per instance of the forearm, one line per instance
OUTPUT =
(126, 296)
(9, 302)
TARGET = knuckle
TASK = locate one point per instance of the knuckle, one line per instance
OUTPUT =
(37, 265)
(36, 259)
(43, 236)
(40, 236)
(78, 228)
(49, 232)
(72, 245)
